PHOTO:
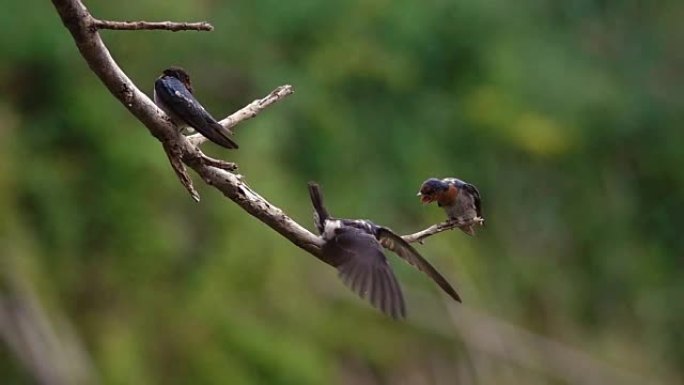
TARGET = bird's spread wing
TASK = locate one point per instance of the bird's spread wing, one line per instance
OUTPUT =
(393, 242)
(362, 266)
(183, 104)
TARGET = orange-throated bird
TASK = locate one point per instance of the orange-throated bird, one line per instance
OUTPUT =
(173, 94)
(355, 248)
(460, 200)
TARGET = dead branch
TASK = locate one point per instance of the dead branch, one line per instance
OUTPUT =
(150, 25)
(249, 111)
(438, 228)
(180, 151)
(183, 151)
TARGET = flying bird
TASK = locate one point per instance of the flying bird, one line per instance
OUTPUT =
(460, 200)
(173, 94)
(355, 248)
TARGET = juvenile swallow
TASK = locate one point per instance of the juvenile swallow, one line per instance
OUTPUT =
(355, 248)
(460, 200)
(173, 94)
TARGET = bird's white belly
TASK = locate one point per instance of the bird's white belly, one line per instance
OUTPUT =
(329, 228)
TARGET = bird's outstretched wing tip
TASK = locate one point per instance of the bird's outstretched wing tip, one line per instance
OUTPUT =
(408, 253)
(376, 285)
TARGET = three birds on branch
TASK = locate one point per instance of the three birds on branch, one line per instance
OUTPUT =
(353, 246)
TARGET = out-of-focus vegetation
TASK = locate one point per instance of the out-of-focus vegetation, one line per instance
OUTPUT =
(567, 114)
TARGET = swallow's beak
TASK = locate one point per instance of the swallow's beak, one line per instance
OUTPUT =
(424, 198)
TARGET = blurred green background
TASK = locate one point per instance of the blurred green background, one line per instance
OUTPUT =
(566, 114)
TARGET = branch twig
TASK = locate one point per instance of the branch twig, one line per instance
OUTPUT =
(150, 25)
(438, 228)
(249, 111)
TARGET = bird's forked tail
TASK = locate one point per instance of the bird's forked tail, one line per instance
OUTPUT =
(320, 213)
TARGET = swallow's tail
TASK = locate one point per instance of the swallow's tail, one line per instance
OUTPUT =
(468, 230)
(320, 213)
(219, 135)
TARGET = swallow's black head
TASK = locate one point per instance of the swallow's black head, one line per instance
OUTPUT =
(180, 74)
(431, 189)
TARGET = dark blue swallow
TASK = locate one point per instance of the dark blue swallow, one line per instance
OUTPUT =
(173, 94)
(460, 200)
(355, 249)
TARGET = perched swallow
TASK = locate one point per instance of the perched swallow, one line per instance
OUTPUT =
(355, 249)
(173, 94)
(460, 200)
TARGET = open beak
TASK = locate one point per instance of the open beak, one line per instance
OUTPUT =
(424, 198)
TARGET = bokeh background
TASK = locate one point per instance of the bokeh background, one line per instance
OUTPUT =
(566, 114)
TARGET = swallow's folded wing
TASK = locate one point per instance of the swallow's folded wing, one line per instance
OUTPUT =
(183, 104)
(395, 243)
(476, 197)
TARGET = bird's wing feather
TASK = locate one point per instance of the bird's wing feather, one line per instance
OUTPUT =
(183, 104)
(476, 197)
(362, 266)
(395, 243)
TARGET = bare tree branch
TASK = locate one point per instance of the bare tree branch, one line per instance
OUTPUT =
(249, 111)
(150, 25)
(183, 151)
(438, 228)
(176, 161)
(83, 28)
